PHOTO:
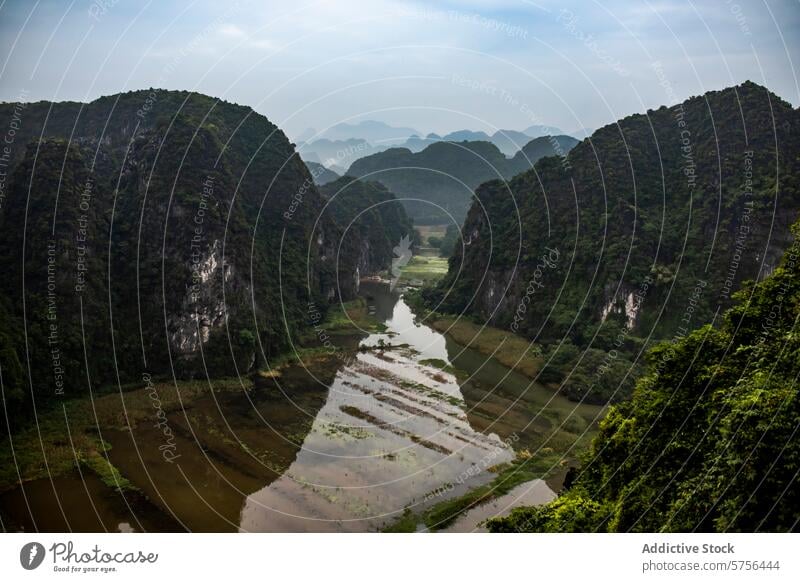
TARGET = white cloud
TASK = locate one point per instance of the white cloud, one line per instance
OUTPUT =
(262, 44)
(231, 30)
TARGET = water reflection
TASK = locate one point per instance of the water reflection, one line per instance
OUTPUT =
(346, 444)
(392, 430)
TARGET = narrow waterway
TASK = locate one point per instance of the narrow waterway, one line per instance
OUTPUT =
(393, 429)
(409, 420)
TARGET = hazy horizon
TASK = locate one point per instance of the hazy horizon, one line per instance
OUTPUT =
(436, 67)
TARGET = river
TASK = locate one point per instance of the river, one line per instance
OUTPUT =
(350, 444)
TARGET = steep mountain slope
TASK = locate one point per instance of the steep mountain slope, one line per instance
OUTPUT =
(710, 440)
(440, 179)
(647, 227)
(373, 220)
(321, 174)
(157, 232)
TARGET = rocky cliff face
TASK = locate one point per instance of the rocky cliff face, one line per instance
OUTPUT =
(645, 228)
(160, 232)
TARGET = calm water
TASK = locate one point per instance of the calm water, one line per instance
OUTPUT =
(347, 444)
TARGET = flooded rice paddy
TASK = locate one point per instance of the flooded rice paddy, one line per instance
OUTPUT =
(390, 423)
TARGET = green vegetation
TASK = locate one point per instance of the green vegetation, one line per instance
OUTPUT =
(216, 251)
(439, 364)
(525, 468)
(374, 221)
(638, 236)
(345, 320)
(53, 448)
(507, 348)
(592, 375)
(709, 440)
(430, 238)
(108, 473)
(445, 173)
(451, 239)
(437, 240)
(321, 174)
(425, 270)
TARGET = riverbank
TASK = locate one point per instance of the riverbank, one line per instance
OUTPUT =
(513, 351)
(367, 397)
(69, 436)
(443, 514)
(548, 464)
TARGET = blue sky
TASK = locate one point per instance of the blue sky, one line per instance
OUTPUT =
(434, 66)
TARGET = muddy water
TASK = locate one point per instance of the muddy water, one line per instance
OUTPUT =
(415, 434)
(391, 431)
(79, 502)
(347, 444)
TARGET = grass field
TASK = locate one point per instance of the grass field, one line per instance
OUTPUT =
(427, 231)
(67, 436)
(424, 270)
(510, 350)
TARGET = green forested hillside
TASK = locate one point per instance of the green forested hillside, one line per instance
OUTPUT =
(437, 182)
(641, 233)
(157, 232)
(710, 440)
(372, 218)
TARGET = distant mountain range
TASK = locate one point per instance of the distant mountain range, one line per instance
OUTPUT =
(342, 144)
(508, 141)
(337, 154)
(369, 130)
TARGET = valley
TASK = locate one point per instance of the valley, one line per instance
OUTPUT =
(398, 422)
(202, 331)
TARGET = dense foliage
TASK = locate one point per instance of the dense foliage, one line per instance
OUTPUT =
(447, 244)
(436, 184)
(508, 141)
(641, 233)
(157, 232)
(371, 218)
(710, 439)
